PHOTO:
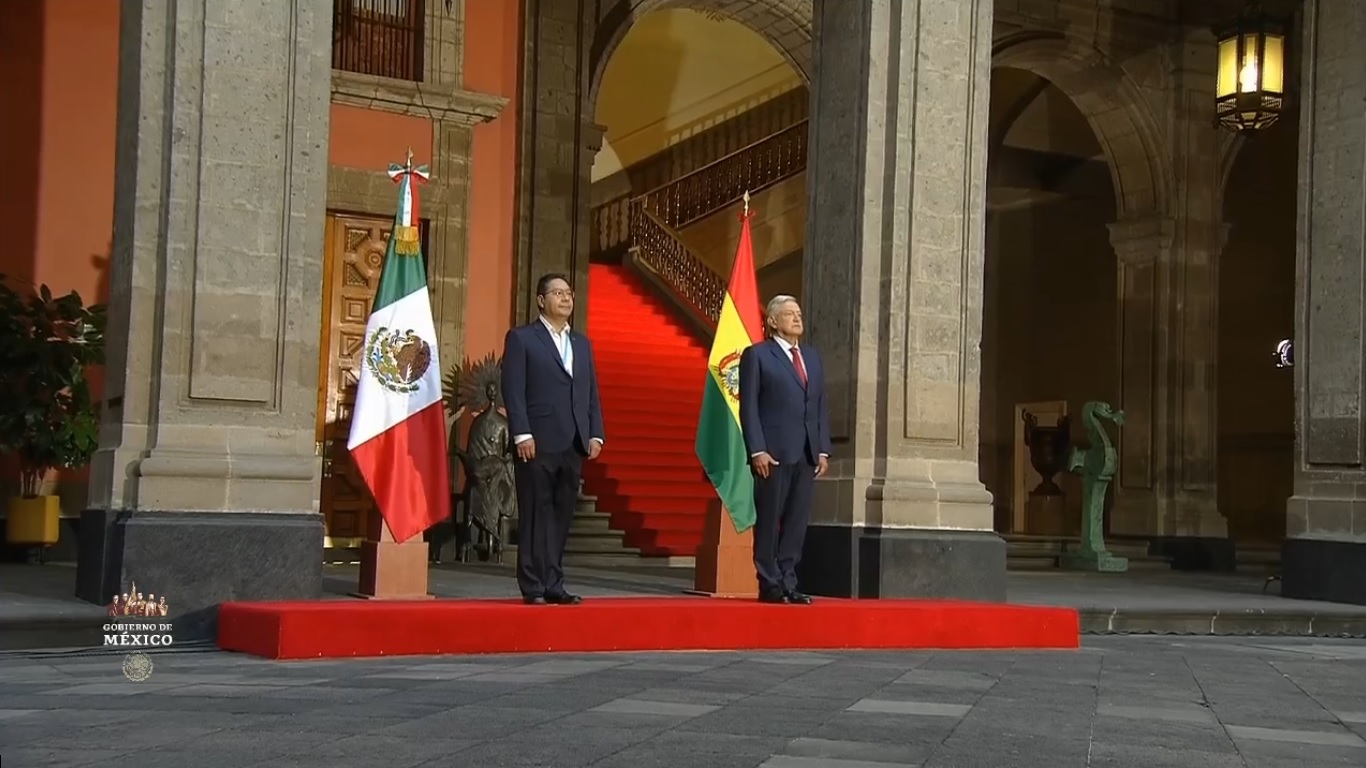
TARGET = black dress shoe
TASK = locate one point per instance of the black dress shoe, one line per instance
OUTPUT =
(793, 596)
(563, 599)
(534, 600)
(772, 597)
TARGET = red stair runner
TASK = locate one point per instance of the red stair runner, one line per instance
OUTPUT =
(650, 377)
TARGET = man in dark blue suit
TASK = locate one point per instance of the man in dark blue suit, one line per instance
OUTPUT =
(550, 390)
(786, 426)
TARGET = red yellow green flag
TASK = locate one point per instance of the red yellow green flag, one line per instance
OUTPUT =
(720, 445)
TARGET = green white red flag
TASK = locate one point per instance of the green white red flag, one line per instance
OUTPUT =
(398, 425)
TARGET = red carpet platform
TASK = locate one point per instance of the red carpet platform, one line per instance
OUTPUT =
(357, 628)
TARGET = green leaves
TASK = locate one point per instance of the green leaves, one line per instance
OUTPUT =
(48, 345)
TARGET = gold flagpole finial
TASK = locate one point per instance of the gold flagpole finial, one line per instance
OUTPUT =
(408, 166)
(746, 199)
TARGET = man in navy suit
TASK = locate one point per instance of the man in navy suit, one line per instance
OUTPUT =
(550, 390)
(786, 426)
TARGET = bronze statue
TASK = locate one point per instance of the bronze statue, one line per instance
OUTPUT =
(487, 459)
(1096, 464)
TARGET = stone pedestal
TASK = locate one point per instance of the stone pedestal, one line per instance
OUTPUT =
(1095, 562)
(205, 485)
(196, 560)
(917, 562)
(392, 570)
(725, 559)
(1324, 554)
(893, 298)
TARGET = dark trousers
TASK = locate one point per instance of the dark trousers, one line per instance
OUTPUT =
(782, 506)
(547, 492)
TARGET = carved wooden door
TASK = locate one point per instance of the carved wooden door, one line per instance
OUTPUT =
(354, 256)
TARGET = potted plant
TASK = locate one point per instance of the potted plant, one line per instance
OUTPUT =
(48, 420)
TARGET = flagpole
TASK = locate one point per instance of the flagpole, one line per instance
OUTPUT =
(724, 565)
(411, 491)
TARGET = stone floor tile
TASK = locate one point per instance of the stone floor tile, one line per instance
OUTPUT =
(789, 761)
(874, 752)
(1157, 756)
(794, 659)
(56, 757)
(662, 708)
(943, 678)
(1317, 738)
(923, 708)
(1142, 709)
(1170, 713)
(685, 696)
(125, 688)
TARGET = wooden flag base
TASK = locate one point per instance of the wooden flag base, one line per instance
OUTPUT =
(725, 559)
(390, 570)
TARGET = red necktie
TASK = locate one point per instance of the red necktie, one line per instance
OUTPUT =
(801, 368)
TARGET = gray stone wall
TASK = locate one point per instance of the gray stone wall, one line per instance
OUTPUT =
(1325, 554)
(894, 256)
(212, 378)
(554, 183)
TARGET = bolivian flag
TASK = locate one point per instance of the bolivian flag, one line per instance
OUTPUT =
(720, 445)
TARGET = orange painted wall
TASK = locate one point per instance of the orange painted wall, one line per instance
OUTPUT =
(60, 62)
(493, 46)
(371, 139)
(21, 132)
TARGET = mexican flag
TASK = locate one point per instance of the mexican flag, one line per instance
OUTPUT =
(398, 425)
(720, 446)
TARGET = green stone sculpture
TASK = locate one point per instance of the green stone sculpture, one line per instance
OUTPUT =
(1096, 464)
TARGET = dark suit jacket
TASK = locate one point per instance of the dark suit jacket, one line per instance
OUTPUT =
(559, 411)
(776, 414)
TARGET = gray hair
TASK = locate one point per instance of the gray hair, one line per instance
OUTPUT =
(776, 303)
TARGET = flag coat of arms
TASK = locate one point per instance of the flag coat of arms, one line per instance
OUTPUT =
(720, 444)
(398, 424)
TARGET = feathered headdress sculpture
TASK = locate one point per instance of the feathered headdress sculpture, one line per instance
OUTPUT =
(467, 384)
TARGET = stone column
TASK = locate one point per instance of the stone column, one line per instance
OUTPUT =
(1324, 554)
(894, 297)
(1195, 533)
(1142, 250)
(590, 141)
(1167, 333)
(1165, 342)
(556, 127)
(205, 486)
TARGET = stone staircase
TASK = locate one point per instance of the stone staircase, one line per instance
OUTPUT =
(593, 543)
(1041, 553)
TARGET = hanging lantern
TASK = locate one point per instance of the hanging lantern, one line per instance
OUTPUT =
(1249, 92)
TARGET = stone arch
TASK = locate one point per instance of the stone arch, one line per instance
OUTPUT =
(1112, 105)
(785, 24)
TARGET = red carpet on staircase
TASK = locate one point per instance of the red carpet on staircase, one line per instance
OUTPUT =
(651, 371)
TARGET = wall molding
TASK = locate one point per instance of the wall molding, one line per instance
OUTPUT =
(446, 105)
